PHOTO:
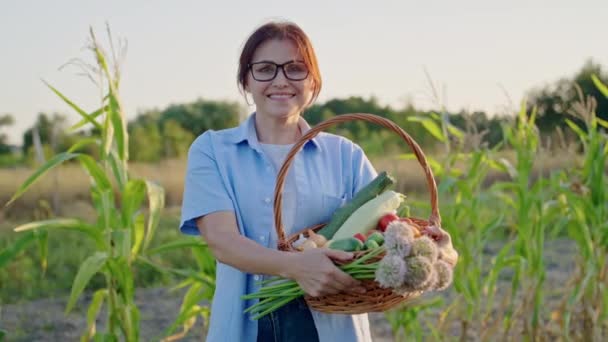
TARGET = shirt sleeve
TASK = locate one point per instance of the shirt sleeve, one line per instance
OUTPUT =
(204, 189)
(363, 170)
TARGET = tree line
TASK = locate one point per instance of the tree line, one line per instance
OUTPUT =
(167, 133)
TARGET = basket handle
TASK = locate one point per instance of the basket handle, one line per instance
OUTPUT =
(434, 219)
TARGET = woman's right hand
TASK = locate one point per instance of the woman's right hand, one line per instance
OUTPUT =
(317, 275)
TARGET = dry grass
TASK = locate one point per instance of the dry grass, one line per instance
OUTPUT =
(71, 186)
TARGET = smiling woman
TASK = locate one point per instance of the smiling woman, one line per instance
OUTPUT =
(228, 192)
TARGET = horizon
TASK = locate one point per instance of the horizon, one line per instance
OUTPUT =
(481, 56)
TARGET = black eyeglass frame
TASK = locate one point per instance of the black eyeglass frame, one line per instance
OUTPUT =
(276, 70)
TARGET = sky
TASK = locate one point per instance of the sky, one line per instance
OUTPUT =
(481, 55)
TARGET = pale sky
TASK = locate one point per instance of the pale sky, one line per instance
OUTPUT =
(179, 51)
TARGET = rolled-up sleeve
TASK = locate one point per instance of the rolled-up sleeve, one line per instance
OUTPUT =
(204, 189)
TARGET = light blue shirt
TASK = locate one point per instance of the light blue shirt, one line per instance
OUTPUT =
(229, 171)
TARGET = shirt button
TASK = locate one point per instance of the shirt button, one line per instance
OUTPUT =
(256, 277)
(262, 238)
(267, 200)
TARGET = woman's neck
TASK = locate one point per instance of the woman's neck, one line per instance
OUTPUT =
(278, 131)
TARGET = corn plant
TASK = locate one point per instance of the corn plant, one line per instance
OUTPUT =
(587, 210)
(122, 230)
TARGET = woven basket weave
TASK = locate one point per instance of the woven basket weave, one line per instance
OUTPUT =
(376, 298)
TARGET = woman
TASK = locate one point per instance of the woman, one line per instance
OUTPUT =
(229, 191)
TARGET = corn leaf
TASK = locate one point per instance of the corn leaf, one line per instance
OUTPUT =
(11, 252)
(67, 223)
(156, 202)
(82, 143)
(132, 198)
(138, 232)
(82, 113)
(430, 125)
(87, 270)
(180, 244)
(600, 86)
(93, 311)
(35, 177)
(576, 129)
(94, 115)
(96, 173)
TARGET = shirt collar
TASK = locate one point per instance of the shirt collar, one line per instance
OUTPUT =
(246, 132)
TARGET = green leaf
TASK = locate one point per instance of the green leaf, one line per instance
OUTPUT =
(156, 202)
(576, 129)
(92, 116)
(132, 198)
(84, 114)
(600, 86)
(35, 177)
(69, 223)
(82, 143)
(11, 252)
(179, 244)
(96, 173)
(120, 173)
(93, 311)
(138, 234)
(602, 122)
(43, 248)
(430, 125)
(455, 131)
(87, 270)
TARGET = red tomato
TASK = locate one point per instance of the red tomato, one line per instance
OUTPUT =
(385, 220)
(360, 237)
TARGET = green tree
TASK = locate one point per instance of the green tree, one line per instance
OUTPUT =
(556, 100)
(176, 139)
(146, 142)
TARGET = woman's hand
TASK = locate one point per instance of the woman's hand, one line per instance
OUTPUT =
(317, 275)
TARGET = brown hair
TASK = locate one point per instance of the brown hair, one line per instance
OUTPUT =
(280, 30)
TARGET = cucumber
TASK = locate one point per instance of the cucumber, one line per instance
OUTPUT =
(371, 190)
(350, 244)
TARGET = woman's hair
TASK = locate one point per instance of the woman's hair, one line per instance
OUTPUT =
(280, 30)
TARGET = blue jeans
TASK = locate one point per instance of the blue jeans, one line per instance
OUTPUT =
(292, 322)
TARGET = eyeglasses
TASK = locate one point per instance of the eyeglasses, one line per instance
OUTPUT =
(267, 71)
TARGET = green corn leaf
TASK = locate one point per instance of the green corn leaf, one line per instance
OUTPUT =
(430, 125)
(82, 143)
(120, 127)
(82, 113)
(602, 122)
(179, 244)
(132, 198)
(156, 202)
(96, 173)
(576, 129)
(600, 86)
(94, 115)
(93, 312)
(63, 223)
(121, 271)
(11, 252)
(43, 248)
(139, 227)
(35, 177)
(108, 134)
(119, 170)
(87, 270)
(455, 131)
(121, 240)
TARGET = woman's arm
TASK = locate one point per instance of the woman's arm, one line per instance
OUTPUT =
(312, 269)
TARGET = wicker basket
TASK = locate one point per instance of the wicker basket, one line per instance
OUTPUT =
(376, 299)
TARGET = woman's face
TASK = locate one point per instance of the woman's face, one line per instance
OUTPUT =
(280, 97)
